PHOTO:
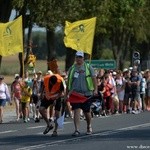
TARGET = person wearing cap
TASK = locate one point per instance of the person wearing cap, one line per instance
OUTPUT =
(82, 80)
(16, 95)
(4, 96)
(52, 92)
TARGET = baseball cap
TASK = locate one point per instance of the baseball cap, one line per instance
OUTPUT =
(114, 73)
(125, 70)
(39, 72)
(130, 68)
(16, 76)
(49, 72)
(79, 53)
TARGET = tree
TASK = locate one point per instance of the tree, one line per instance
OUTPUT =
(122, 21)
(5, 12)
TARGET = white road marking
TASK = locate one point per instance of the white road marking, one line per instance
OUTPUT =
(35, 127)
(9, 131)
(82, 137)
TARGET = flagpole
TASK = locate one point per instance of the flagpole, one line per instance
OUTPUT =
(22, 65)
(92, 41)
(22, 51)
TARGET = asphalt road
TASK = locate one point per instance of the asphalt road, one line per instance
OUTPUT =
(116, 132)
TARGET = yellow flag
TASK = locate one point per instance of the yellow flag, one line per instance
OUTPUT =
(80, 34)
(11, 37)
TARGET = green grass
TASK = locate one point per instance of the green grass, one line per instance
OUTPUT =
(10, 66)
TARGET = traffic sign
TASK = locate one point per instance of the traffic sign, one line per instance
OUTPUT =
(102, 64)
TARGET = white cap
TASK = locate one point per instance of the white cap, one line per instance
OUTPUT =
(49, 72)
(142, 72)
(79, 53)
(114, 73)
(130, 68)
(125, 70)
(39, 72)
(16, 75)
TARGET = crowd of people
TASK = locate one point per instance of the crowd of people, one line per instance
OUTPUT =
(116, 91)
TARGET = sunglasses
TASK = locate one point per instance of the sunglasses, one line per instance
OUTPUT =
(79, 57)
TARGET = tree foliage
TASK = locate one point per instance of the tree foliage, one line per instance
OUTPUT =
(124, 23)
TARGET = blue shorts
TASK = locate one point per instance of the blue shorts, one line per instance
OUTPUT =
(2, 102)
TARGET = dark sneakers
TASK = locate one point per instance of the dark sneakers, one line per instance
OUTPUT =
(48, 128)
(37, 120)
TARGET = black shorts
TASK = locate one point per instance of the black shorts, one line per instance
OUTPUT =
(86, 106)
(35, 99)
(135, 96)
(46, 103)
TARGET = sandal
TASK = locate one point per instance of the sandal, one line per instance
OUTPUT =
(76, 133)
(54, 134)
(48, 128)
(89, 131)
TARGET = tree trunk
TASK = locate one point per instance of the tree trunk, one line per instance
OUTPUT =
(97, 46)
(70, 57)
(5, 12)
(0, 61)
(29, 43)
(51, 53)
(20, 56)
